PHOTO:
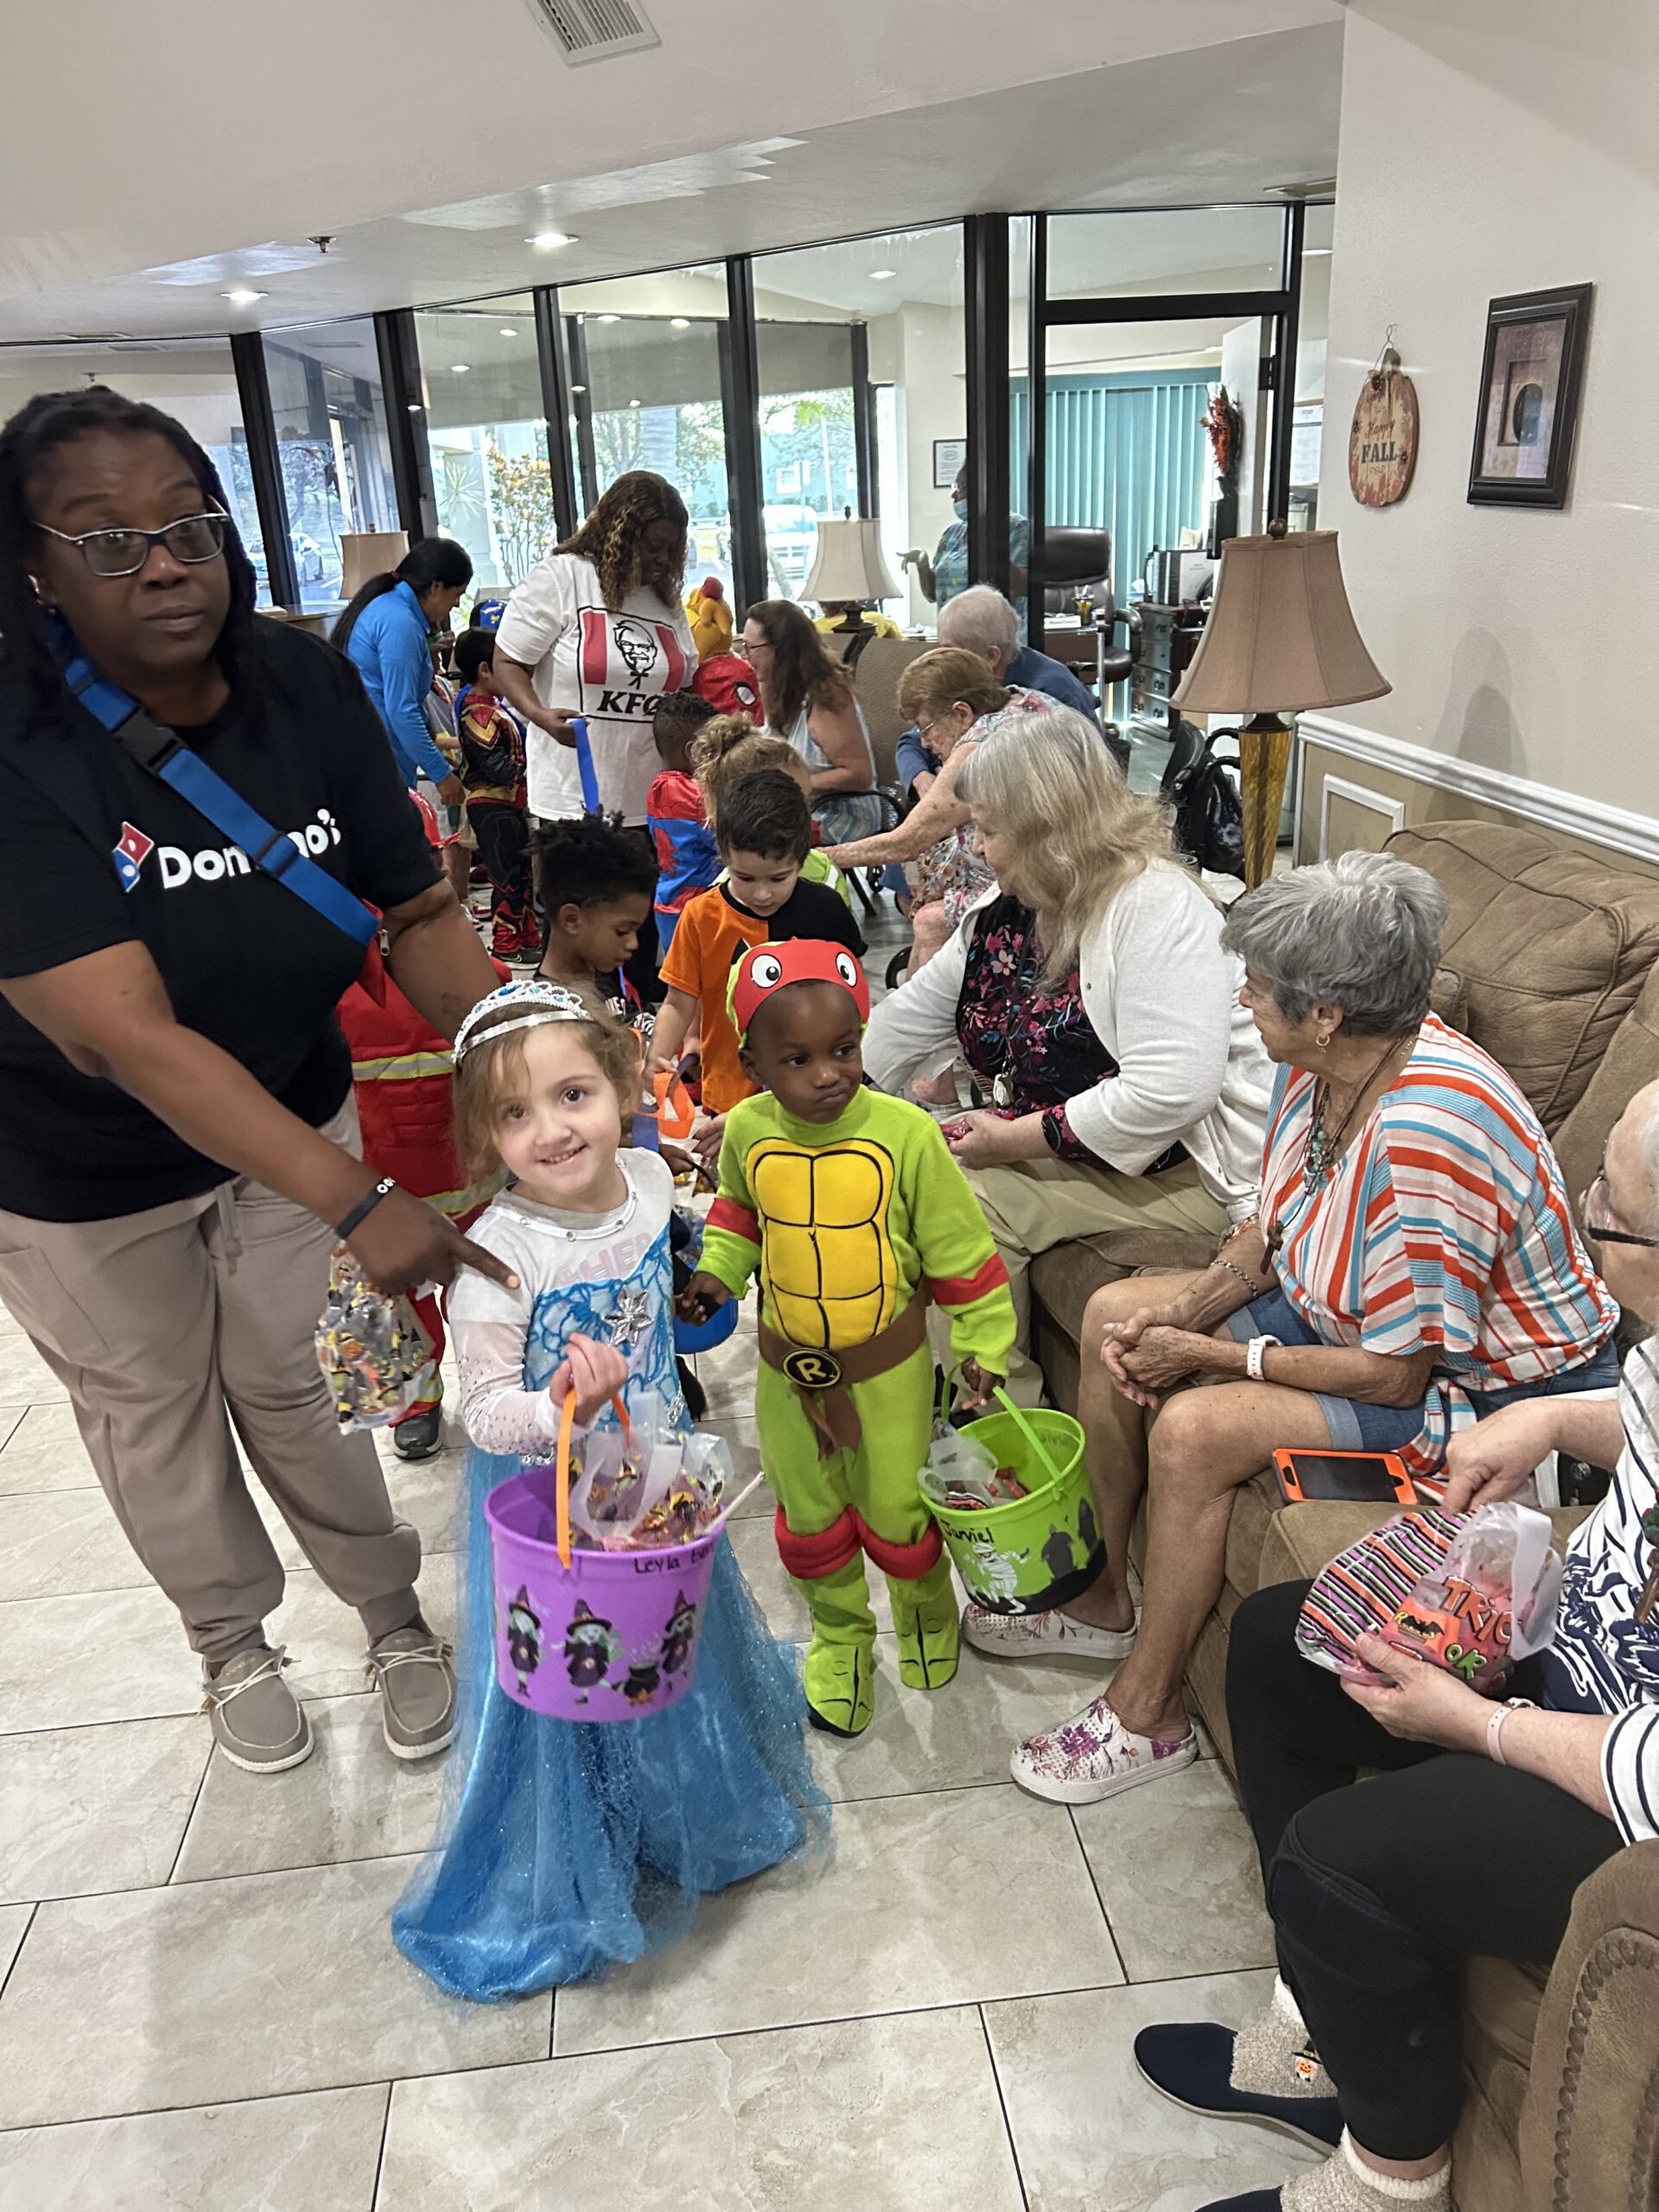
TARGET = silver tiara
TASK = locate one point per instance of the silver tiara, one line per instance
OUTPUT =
(541, 1002)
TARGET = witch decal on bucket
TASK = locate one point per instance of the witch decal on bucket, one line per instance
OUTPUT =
(680, 1635)
(590, 1648)
(523, 1639)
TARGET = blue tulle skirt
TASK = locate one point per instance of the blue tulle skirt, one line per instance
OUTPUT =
(564, 1847)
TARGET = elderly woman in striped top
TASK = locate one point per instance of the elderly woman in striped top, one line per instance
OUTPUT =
(1412, 1268)
(1479, 1820)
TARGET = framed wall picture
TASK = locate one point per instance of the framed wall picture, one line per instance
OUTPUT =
(948, 455)
(1530, 382)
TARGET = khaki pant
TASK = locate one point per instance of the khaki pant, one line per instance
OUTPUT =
(166, 1327)
(1031, 1204)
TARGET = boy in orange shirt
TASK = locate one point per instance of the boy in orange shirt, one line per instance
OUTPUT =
(764, 831)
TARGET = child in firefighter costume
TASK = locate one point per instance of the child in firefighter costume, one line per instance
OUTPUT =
(856, 1215)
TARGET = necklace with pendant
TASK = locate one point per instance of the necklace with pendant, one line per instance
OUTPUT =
(1324, 1145)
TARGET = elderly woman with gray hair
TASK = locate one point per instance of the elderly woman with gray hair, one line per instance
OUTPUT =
(1412, 1268)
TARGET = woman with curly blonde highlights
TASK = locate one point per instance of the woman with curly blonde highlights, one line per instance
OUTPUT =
(1089, 992)
(596, 634)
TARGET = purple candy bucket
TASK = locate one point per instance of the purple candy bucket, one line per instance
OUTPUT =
(612, 1636)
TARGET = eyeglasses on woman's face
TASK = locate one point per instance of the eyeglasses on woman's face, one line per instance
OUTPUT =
(749, 646)
(1598, 1215)
(191, 540)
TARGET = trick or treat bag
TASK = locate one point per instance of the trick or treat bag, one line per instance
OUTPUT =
(1473, 1591)
(375, 1356)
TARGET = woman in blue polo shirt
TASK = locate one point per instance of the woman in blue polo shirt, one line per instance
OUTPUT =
(383, 632)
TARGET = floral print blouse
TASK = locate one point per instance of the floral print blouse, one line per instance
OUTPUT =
(1031, 1045)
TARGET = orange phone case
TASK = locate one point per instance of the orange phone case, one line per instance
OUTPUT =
(1391, 1463)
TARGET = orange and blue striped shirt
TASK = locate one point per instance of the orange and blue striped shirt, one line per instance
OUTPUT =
(1445, 1227)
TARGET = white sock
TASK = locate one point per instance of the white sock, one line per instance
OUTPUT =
(1396, 2190)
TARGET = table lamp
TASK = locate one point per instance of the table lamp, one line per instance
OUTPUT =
(365, 553)
(1280, 638)
(849, 571)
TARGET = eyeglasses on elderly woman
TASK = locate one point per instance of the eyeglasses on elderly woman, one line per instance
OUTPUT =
(1597, 1211)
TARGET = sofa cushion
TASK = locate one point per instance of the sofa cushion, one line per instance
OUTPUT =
(1066, 1276)
(1552, 949)
(1631, 1063)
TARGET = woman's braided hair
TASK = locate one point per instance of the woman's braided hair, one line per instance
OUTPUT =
(49, 422)
(611, 536)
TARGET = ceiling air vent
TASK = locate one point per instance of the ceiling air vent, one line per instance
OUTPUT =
(593, 30)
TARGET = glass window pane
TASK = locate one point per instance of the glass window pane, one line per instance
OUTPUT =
(645, 369)
(1168, 250)
(487, 434)
(192, 379)
(331, 437)
(904, 288)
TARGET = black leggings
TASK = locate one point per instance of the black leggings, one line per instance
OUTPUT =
(1380, 1890)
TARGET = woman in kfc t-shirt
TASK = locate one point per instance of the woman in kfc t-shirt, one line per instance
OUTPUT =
(597, 630)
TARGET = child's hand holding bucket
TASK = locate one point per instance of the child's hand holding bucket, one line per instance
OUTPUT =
(978, 1384)
(702, 1296)
(594, 1372)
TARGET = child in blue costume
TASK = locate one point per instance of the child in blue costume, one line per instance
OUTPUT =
(566, 1847)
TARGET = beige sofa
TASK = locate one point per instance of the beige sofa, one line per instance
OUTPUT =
(1554, 957)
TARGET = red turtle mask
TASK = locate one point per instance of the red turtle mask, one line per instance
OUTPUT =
(766, 968)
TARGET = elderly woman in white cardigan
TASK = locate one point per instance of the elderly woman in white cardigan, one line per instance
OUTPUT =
(1089, 992)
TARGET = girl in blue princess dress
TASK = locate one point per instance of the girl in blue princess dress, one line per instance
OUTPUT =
(565, 1846)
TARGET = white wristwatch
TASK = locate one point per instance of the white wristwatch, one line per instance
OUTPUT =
(1254, 1353)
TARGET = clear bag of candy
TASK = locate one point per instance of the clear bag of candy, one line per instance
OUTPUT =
(1471, 1592)
(647, 1487)
(375, 1355)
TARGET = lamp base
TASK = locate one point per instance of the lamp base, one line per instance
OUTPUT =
(1263, 768)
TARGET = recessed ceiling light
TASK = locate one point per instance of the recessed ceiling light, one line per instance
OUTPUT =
(1312, 252)
(508, 331)
(633, 403)
(881, 276)
(576, 388)
(240, 296)
(679, 322)
(545, 241)
(414, 406)
(610, 318)
(461, 368)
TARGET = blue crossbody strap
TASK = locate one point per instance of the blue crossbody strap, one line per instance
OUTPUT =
(161, 753)
(585, 764)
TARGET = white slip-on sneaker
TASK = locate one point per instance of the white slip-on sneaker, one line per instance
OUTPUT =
(1093, 1756)
(1041, 1636)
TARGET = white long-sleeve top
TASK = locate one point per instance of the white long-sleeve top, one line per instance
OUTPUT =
(1162, 997)
(608, 1277)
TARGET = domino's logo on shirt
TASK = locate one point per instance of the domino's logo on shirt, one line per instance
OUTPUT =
(130, 853)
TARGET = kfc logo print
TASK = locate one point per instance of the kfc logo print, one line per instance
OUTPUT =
(130, 853)
(628, 662)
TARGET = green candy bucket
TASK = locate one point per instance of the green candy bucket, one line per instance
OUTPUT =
(1039, 1551)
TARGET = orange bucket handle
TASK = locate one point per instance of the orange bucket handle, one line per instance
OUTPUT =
(567, 1431)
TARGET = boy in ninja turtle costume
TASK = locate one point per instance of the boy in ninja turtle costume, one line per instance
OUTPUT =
(857, 1215)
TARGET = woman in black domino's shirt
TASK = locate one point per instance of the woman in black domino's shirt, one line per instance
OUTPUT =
(176, 1129)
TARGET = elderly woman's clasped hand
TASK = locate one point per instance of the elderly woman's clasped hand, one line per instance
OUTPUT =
(1153, 1350)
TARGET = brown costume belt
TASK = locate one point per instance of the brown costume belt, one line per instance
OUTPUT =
(823, 1380)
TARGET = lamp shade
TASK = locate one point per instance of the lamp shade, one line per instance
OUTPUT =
(849, 564)
(365, 553)
(1280, 636)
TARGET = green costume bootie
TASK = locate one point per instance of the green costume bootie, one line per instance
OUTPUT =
(839, 1676)
(925, 1615)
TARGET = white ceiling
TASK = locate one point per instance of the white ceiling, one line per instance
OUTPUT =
(205, 143)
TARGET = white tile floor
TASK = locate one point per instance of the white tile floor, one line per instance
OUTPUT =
(201, 2006)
